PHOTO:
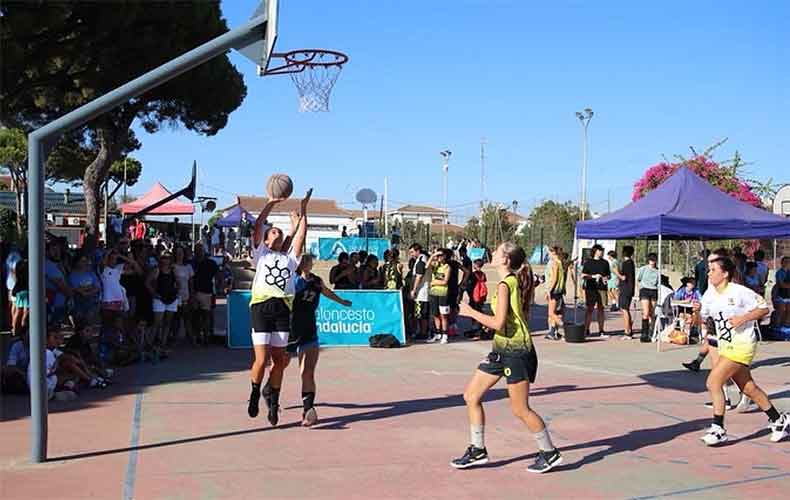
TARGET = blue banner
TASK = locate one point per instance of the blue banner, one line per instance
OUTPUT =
(476, 253)
(372, 312)
(330, 248)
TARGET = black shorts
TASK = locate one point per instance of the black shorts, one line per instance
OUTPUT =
(624, 299)
(421, 309)
(452, 301)
(515, 367)
(274, 315)
(648, 294)
(439, 305)
(303, 332)
(593, 297)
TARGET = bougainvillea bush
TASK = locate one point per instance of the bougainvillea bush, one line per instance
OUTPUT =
(724, 178)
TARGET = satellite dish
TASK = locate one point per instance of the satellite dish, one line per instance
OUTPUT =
(366, 196)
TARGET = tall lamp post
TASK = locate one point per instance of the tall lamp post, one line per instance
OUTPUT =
(445, 169)
(584, 118)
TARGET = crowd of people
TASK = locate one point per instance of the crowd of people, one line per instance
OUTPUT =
(135, 300)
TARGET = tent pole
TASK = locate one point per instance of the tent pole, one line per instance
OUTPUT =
(659, 303)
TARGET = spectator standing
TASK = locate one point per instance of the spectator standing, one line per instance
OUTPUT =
(163, 285)
(647, 278)
(627, 276)
(421, 282)
(439, 300)
(371, 278)
(184, 274)
(762, 267)
(555, 292)
(56, 288)
(87, 289)
(21, 310)
(613, 282)
(206, 271)
(701, 271)
(341, 276)
(14, 256)
(595, 273)
(392, 270)
(782, 294)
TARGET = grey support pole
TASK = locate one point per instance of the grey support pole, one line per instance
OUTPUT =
(38, 142)
(38, 313)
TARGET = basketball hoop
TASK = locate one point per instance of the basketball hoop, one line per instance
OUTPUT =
(314, 72)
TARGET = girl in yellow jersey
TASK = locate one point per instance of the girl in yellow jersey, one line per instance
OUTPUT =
(513, 356)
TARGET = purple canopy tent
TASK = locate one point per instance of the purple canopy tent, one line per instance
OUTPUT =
(685, 206)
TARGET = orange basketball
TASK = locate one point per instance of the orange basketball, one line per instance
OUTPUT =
(279, 186)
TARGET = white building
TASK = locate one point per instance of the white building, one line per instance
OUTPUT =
(419, 213)
(324, 218)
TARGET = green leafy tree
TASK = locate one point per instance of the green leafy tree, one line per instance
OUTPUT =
(495, 226)
(13, 158)
(472, 229)
(60, 55)
(557, 222)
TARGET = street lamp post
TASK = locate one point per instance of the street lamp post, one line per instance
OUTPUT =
(584, 118)
(445, 169)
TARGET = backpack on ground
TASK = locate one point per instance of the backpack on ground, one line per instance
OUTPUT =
(384, 340)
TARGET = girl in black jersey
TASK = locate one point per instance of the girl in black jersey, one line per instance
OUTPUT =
(304, 332)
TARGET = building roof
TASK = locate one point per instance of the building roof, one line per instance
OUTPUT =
(451, 229)
(418, 209)
(515, 218)
(53, 202)
(358, 214)
(5, 183)
(316, 206)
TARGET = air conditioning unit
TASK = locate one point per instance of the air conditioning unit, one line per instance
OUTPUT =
(58, 221)
(73, 221)
(50, 218)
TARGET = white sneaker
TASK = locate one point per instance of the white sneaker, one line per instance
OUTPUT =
(715, 436)
(443, 339)
(310, 418)
(781, 428)
(432, 338)
(744, 405)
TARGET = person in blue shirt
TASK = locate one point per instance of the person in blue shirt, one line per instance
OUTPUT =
(56, 287)
(85, 286)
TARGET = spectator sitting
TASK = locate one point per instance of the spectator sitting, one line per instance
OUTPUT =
(14, 374)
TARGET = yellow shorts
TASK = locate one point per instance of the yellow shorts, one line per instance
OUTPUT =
(740, 352)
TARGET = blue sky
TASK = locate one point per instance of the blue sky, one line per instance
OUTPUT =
(429, 75)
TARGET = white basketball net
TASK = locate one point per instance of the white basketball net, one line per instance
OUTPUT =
(314, 85)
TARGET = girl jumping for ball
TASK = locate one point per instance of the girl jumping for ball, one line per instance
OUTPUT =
(272, 299)
(304, 333)
(513, 356)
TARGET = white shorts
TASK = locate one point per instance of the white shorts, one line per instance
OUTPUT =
(274, 339)
(160, 307)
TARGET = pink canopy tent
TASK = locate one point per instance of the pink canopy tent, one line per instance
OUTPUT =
(156, 193)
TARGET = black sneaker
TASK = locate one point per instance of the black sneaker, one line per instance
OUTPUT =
(553, 336)
(546, 461)
(253, 407)
(267, 395)
(274, 414)
(473, 456)
(727, 405)
(691, 365)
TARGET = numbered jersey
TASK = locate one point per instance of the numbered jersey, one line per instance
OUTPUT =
(306, 300)
(735, 300)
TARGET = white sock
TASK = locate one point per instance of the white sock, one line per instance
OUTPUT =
(477, 436)
(544, 440)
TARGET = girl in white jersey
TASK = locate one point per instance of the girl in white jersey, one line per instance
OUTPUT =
(735, 310)
(275, 259)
